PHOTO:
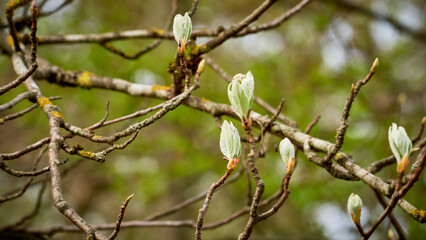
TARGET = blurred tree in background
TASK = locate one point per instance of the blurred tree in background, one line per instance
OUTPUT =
(310, 59)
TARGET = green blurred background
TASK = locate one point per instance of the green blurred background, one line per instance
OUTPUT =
(311, 61)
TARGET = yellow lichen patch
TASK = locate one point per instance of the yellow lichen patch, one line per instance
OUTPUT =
(10, 41)
(96, 137)
(203, 100)
(1, 120)
(159, 87)
(83, 80)
(199, 49)
(85, 154)
(418, 212)
(43, 102)
(338, 156)
(56, 114)
(158, 32)
(195, 49)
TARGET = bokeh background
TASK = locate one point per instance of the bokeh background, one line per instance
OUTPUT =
(311, 61)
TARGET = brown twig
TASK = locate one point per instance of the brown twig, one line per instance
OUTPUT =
(127, 117)
(392, 218)
(312, 124)
(249, 182)
(127, 56)
(419, 134)
(378, 165)
(24, 21)
(265, 128)
(120, 218)
(256, 99)
(10, 8)
(193, 8)
(234, 29)
(102, 121)
(33, 213)
(280, 201)
(24, 188)
(14, 195)
(21, 113)
(155, 33)
(334, 170)
(392, 203)
(260, 185)
(374, 14)
(169, 106)
(398, 193)
(190, 201)
(40, 143)
(148, 48)
(203, 210)
(16, 100)
(340, 135)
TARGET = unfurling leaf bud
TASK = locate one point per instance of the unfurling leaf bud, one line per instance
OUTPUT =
(230, 144)
(354, 208)
(374, 66)
(182, 27)
(201, 66)
(401, 145)
(287, 154)
(240, 93)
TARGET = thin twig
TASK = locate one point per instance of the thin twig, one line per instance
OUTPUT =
(169, 106)
(10, 7)
(260, 185)
(21, 113)
(40, 143)
(392, 203)
(399, 193)
(203, 210)
(248, 177)
(102, 121)
(256, 99)
(392, 218)
(127, 117)
(419, 134)
(16, 100)
(193, 8)
(340, 135)
(33, 213)
(120, 218)
(127, 56)
(191, 200)
(380, 16)
(235, 29)
(148, 48)
(265, 128)
(312, 124)
(280, 201)
(24, 188)
(161, 34)
(22, 22)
